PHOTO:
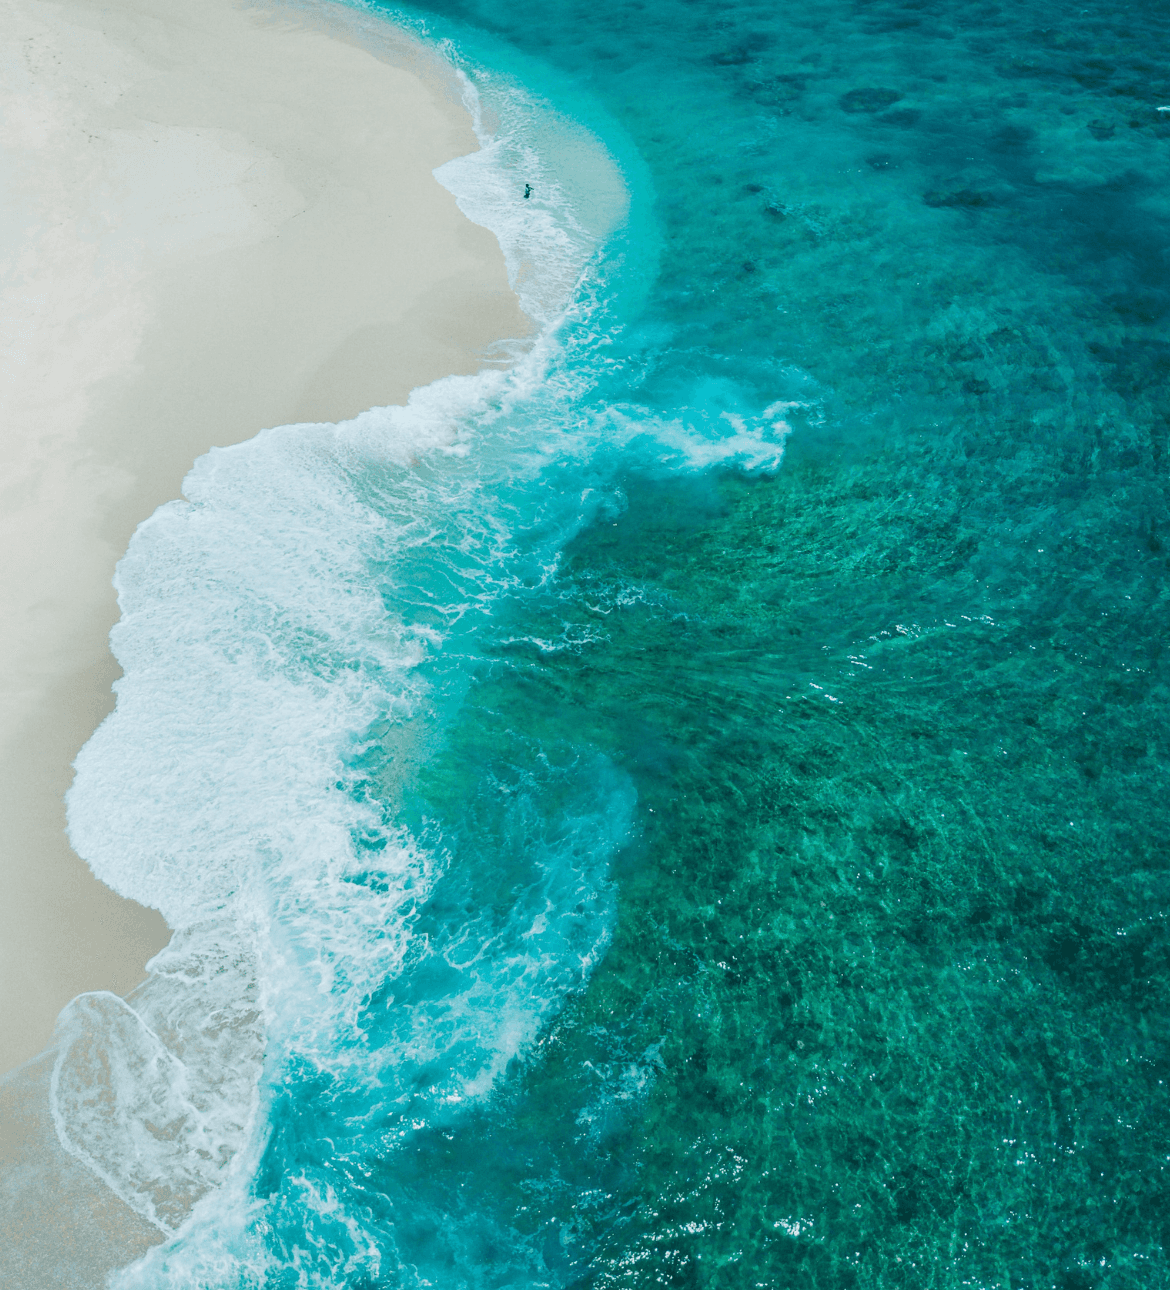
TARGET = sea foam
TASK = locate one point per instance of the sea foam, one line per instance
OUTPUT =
(355, 962)
(307, 609)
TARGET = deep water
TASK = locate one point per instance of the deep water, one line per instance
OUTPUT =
(763, 876)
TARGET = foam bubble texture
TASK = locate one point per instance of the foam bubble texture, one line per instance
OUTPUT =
(576, 196)
(157, 1093)
(352, 967)
(310, 607)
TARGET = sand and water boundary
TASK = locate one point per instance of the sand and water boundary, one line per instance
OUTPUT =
(217, 218)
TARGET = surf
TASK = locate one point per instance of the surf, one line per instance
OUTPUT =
(381, 890)
(295, 637)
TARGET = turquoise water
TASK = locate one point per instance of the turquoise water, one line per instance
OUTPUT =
(716, 826)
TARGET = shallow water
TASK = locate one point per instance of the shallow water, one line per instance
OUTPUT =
(714, 833)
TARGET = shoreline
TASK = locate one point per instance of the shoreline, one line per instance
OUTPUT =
(239, 229)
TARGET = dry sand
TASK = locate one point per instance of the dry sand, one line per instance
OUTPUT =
(213, 219)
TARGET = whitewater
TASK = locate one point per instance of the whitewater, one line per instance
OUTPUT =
(362, 949)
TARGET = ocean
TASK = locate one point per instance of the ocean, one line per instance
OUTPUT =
(688, 810)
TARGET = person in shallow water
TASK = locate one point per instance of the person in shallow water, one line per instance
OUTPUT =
(527, 191)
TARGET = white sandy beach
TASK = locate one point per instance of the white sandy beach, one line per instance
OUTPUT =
(215, 218)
